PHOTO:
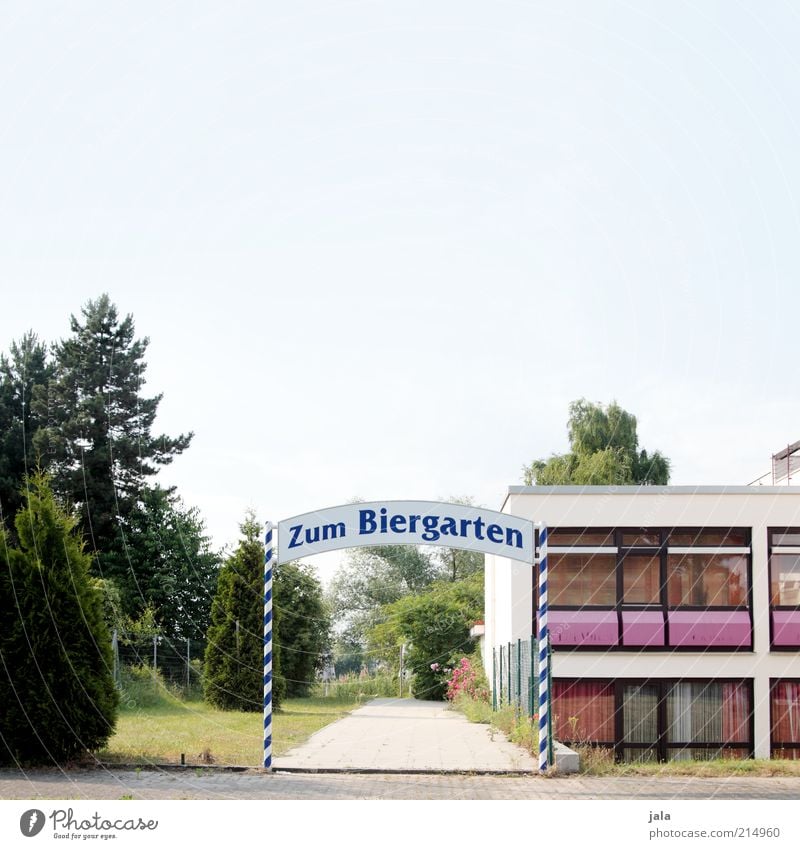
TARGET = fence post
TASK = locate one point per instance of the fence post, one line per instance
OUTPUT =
(510, 690)
(531, 679)
(494, 678)
(155, 654)
(188, 666)
(519, 674)
(115, 658)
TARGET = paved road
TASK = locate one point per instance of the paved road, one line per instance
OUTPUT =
(396, 734)
(204, 784)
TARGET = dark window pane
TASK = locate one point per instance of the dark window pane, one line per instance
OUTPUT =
(643, 538)
(583, 711)
(706, 580)
(786, 712)
(640, 579)
(785, 572)
(708, 712)
(640, 713)
(694, 713)
(589, 536)
(709, 537)
(785, 538)
(582, 579)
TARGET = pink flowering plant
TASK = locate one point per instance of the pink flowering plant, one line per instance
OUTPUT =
(467, 680)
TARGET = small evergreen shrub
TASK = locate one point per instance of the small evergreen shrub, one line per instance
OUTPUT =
(57, 693)
(234, 661)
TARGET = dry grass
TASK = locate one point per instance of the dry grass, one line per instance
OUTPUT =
(598, 761)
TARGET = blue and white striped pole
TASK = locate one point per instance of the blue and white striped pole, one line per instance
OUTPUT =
(544, 660)
(269, 562)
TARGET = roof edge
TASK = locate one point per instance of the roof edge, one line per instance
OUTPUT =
(572, 489)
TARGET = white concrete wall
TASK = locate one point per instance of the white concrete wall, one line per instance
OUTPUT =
(507, 602)
(508, 597)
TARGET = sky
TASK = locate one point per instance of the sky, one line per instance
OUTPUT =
(378, 247)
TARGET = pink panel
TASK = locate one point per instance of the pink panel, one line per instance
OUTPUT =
(786, 627)
(704, 628)
(583, 627)
(642, 628)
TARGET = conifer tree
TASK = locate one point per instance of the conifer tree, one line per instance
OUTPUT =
(167, 565)
(304, 632)
(96, 437)
(234, 663)
(25, 368)
(56, 687)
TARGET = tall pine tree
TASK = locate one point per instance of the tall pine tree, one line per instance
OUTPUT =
(234, 655)
(166, 565)
(25, 368)
(96, 437)
(56, 687)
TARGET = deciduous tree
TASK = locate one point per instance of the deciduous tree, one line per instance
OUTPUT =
(604, 449)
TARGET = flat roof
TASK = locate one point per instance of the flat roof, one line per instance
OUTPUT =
(608, 489)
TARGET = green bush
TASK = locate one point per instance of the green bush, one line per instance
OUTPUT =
(352, 688)
(435, 625)
(143, 687)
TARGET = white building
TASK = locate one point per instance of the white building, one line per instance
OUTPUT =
(674, 616)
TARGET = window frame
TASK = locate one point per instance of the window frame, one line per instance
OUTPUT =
(773, 685)
(778, 549)
(662, 551)
(663, 686)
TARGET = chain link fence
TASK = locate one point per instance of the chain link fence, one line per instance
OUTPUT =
(180, 662)
(515, 668)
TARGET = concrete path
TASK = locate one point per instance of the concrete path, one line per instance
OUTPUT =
(194, 783)
(407, 734)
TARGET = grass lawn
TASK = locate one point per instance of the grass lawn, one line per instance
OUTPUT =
(159, 734)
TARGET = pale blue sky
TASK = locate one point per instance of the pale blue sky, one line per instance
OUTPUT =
(379, 246)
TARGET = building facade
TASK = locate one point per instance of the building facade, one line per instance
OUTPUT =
(674, 617)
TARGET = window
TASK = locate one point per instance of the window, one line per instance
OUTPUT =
(784, 588)
(785, 583)
(705, 719)
(709, 537)
(583, 712)
(707, 580)
(581, 536)
(641, 539)
(785, 719)
(641, 579)
(787, 537)
(651, 593)
(656, 720)
(582, 580)
(640, 731)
